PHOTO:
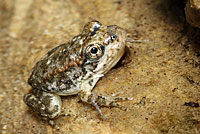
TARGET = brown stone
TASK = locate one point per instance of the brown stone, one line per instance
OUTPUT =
(192, 11)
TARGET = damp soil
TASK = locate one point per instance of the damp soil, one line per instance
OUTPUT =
(161, 72)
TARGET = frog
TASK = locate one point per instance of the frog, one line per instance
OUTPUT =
(74, 68)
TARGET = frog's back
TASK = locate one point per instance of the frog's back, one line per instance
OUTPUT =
(58, 71)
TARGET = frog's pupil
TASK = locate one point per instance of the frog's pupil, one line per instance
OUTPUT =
(94, 50)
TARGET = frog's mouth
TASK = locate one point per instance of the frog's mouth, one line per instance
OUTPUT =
(113, 53)
(113, 59)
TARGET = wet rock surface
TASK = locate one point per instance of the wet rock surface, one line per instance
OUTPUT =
(161, 74)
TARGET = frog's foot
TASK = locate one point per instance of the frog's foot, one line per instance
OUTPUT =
(101, 100)
(95, 104)
(109, 101)
(53, 124)
(46, 105)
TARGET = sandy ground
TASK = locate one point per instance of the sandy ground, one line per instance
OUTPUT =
(161, 74)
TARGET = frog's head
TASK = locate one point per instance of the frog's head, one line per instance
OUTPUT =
(104, 45)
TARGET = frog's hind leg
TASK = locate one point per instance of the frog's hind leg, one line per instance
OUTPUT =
(47, 105)
(101, 100)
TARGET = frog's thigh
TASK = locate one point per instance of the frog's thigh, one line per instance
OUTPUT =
(47, 105)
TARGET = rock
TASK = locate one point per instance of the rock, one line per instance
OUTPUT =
(160, 74)
(192, 11)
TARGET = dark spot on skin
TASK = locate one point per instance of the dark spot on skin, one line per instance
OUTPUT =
(117, 49)
(76, 75)
(55, 109)
(41, 106)
(47, 100)
(109, 41)
(93, 33)
(46, 88)
(68, 82)
(90, 76)
(84, 71)
(94, 65)
(90, 82)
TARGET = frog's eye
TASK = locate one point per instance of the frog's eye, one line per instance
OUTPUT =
(94, 51)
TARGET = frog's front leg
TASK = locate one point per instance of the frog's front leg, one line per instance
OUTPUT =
(47, 105)
(101, 100)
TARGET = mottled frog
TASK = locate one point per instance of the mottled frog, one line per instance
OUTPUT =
(75, 68)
